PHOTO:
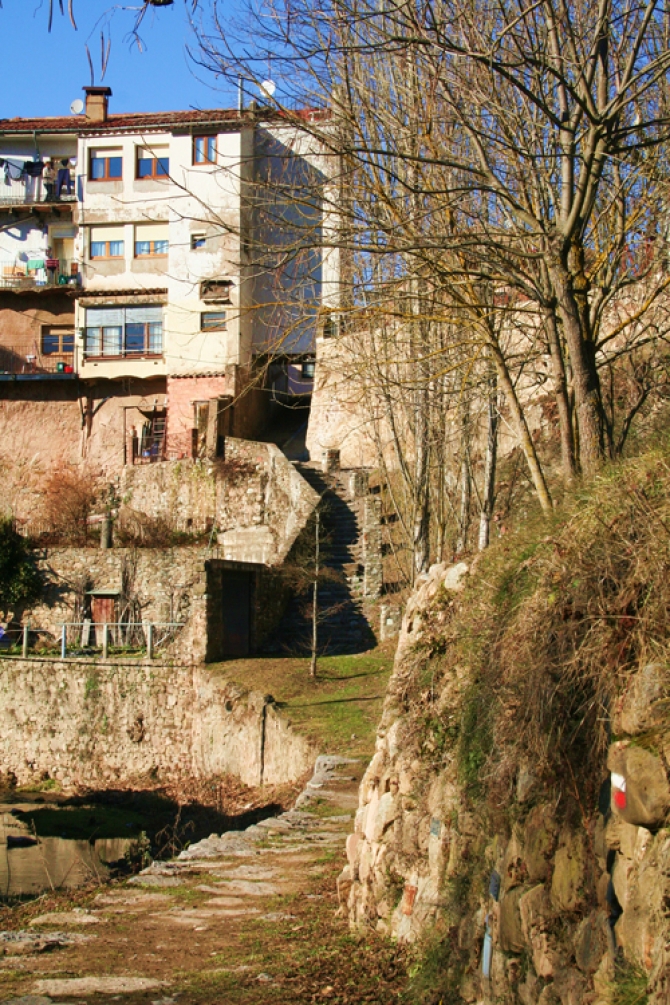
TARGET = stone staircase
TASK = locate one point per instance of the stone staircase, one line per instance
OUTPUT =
(343, 625)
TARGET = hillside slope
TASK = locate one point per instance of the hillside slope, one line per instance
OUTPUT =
(513, 822)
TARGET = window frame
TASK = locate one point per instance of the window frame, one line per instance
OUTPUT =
(155, 175)
(221, 327)
(198, 237)
(152, 253)
(106, 334)
(105, 160)
(107, 257)
(209, 155)
(52, 331)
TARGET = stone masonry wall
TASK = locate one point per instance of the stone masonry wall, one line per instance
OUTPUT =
(546, 911)
(87, 724)
(169, 585)
(255, 499)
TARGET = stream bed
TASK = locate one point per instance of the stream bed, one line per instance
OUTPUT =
(45, 845)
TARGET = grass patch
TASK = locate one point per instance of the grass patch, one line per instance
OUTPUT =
(629, 986)
(338, 711)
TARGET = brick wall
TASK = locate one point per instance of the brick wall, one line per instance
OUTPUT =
(183, 392)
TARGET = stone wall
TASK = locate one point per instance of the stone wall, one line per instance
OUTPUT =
(564, 903)
(155, 585)
(255, 499)
(166, 584)
(87, 724)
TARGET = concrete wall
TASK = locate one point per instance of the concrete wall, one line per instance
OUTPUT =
(90, 725)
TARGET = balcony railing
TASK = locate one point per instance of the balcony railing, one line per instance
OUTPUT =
(29, 275)
(25, 195)
(19, 360)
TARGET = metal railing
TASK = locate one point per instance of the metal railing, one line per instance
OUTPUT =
(18, 275)
(30, 194)
(86, 638)
(18, 359)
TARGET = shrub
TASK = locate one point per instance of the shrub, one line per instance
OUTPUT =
(69, 498)
(19, 578)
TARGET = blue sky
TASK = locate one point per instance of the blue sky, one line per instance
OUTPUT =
(43, 73)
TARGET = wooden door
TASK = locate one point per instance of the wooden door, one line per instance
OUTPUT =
(103, 612)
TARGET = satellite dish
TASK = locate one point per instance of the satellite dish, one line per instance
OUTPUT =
(77, 106)
(268, 88)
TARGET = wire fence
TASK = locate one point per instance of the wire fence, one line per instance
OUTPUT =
(88, 638)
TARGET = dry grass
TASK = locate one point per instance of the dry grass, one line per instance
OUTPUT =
(546, 634)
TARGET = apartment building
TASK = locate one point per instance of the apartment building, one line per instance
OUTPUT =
(150, 269)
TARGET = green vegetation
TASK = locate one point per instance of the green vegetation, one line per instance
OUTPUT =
(339, 710)
(629, 986)
(19, 578)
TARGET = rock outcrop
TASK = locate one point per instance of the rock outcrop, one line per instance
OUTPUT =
(532, 904)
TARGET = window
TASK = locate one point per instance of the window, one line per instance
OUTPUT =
(56, 341)
(330, 327)
(151, 240)
(107, 249)
(198, 242)
(213, 321)
(204, 149)
(124, 331)
(107, 242)
(216, 290)
(105, 165)
(150, 249)
(152, 164)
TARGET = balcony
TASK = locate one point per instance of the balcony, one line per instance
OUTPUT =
(16, 361)
(22, 198)
(39, 274)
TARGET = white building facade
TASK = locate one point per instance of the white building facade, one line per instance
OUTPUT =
(180, 270)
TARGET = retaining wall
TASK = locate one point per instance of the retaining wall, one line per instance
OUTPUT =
(86, 724)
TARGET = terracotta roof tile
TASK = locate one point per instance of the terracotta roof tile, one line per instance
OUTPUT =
(131, 122)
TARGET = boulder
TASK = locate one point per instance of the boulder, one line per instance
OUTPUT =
(510, 929)
(345, 882)
(539, 840)
(537, 913)
(590, 942)
(645, 704)
(645, 800)
(453, 579)
(567, 882)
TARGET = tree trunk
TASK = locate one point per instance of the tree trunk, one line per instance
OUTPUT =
(525, 439)
(315, 598)
(466, 487)
(568, 461)
(421, 528)
(585, 381)
(488, 492)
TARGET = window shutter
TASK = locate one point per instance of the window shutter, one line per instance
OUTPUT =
(148, 314)
(97, 317)
(152, 232)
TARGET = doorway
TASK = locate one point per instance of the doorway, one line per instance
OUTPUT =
(236, 596)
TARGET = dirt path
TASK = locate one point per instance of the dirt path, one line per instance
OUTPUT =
(242, 919)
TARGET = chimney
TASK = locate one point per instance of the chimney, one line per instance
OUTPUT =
(97, 99)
